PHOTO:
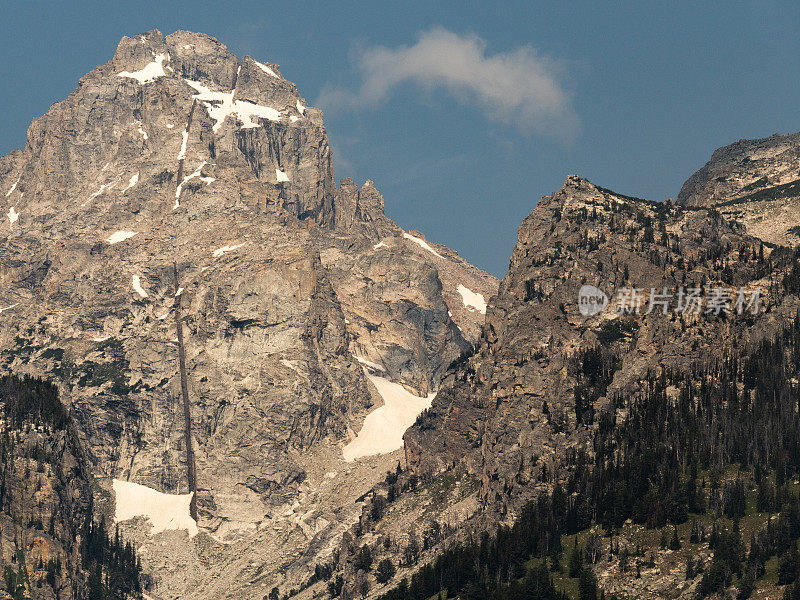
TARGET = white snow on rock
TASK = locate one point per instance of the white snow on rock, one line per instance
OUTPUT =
(367, 363)
(151, 72)
(136, 282)
(294, 118)
(2, 310)
(132, 182)
(422, 243)
(120, 236)
(102, 338)
(143, 133)
(380, 245)
(300, 108)
(13, 187)
(170, 125)
(179, 292)
(102, 190)
(265, 68)
(164, 511)
(13, 217)
(182, 153)
(221, 105)
(472, 300)
(384, 427)
(221, 251)
(281, 176)
(196, 173)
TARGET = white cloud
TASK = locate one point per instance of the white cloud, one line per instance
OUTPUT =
(519, 87)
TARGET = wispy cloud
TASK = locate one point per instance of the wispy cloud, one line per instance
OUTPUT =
(519, 88)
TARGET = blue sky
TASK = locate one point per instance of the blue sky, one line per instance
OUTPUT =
(465, 114)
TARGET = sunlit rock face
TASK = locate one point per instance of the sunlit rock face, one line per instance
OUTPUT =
(176, 152)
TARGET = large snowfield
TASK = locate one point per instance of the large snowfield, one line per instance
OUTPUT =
(164, 511)
(384, 427)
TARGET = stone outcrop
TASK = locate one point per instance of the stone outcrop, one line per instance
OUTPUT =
(508, 413)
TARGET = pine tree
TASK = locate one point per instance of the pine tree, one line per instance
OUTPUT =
(788, 567)
(575, 561)
(587, 585)
(675, 543)
(385, 571)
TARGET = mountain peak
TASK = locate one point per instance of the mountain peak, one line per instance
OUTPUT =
(756, 182)
(180, 188)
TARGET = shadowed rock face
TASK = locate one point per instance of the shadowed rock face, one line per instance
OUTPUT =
(285, 277)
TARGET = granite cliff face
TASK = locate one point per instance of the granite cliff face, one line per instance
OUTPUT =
(176, 154)
(755, 182)
(509, 412)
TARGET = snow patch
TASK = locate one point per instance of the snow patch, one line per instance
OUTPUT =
(384, 427)
(2, 310)
(422, 243)
(380, 245)
(120, 236)
(368, 363)
(150, 73)
(219, 252)
(294, 118)
(102, 190)
(472, 300)
(300, 108)
(13, 217)
(265, 68)
(136, 282)
(143, 133)
(221, 105)
(102, 338)
(132, 182)
(179, 292)
(281, 176)
(182, 153)
(164, 511)
(13, 187)
(170, 125)
(196, 173)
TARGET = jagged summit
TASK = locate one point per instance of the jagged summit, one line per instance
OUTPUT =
(299, 301)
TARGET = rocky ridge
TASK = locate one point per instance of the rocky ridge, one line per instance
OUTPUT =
(755, 182)
(515, 397)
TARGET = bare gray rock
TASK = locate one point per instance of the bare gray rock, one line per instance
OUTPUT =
(754, 182)
(176, 151)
